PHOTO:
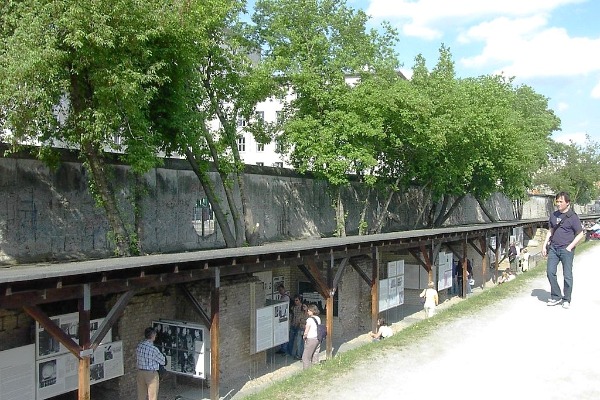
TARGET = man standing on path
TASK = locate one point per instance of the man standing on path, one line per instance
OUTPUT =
(149, 358)
(564, 232)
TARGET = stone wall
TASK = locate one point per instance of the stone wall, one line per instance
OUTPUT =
(49, 215)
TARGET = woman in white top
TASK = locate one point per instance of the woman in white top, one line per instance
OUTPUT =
(383, 331)
(431, 299)
(312, 346)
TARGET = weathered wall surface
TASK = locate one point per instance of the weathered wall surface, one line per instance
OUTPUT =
(49, 215)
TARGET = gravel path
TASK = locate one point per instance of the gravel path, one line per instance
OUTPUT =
(520, 348)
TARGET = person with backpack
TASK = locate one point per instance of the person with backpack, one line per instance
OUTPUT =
(312, 345)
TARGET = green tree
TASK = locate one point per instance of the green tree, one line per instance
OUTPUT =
(572, 168)
(213, 81)
(314, 46)
(78, 73)
(489, 136)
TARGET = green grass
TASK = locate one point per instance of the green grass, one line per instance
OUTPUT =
(287, 389)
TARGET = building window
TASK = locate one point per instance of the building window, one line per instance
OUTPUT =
(278, 148)
(241, 122)
(241, 143)
(278, 164)
(279, 115)
(260, 164)
(260, 116)
(260, 147)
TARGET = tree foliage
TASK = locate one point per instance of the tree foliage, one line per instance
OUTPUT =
(79, 73)
(314, 46)
(572, 168)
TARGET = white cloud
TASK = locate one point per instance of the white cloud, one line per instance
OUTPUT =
(562, 106)
(525, 48)
(575, 137)
(426, 17)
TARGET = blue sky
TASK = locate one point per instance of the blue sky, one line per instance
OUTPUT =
(550, 45)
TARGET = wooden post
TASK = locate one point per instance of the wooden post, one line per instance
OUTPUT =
(497, 262)
(484, 258)
(329, 339)
(83, 369)
(464, 268)
(374, 288)
(214, 336)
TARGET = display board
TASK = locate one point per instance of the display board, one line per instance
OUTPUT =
(59, 374)
(272, 325)
(17, 375)
(444, 270)
(391, 289)
(183, 344)
(48, 346)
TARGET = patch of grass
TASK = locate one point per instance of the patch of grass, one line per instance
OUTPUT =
(287, 389)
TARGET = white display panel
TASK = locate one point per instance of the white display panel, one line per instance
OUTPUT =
(391, 290)
(59, 374)
(444, 270)
(272, 326)
(17, 377)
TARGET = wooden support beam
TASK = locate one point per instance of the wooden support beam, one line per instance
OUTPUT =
(338, 274)
(113, 315)
(484, 259)
(417, 256)
(215, 297)
(329, 322)
(318, 278)
(196, 305)
(362, 273)
(476, 247)
(464, 268)
(83, 370)
(53, 329)
(374, 288)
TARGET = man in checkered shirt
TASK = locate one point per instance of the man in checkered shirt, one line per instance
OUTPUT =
(149, 358)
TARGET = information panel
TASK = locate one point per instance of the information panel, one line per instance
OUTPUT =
(17, 376)
(272, 326)
(59, 374)
(184, 344)
(391, 290)
(444, 270)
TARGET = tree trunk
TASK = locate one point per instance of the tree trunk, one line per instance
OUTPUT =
(485, 210)
(235, 215)
(340, 218)
(443, 216)
(363, 224)
(213, 200)
(250, 229)
(386, 206)
(105, 196)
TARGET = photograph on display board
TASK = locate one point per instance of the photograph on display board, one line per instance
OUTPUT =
(182, 345)
(47, 373)
(48, 345)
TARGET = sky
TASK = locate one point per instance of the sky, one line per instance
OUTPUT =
(551, 45)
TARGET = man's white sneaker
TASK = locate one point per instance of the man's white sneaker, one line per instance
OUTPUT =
(553, 302)
(566, 305)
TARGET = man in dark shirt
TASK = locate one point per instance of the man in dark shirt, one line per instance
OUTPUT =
(564, 232)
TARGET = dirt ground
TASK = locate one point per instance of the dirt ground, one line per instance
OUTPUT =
(518, 348)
